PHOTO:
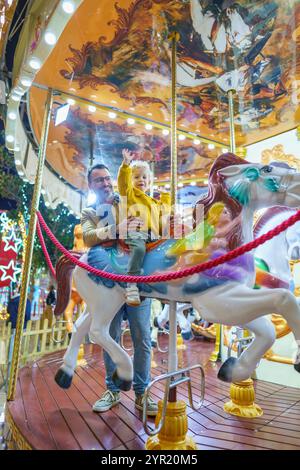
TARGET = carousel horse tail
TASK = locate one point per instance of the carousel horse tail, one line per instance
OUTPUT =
(64, 271)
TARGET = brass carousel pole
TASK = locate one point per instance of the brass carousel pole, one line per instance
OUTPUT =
(29, 249)
(230, 94)
(216, 354)
(172, 435)
(242, 394)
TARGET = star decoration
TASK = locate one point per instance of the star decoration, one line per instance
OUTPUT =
(10, 271)
(12, 243)
(4, 221)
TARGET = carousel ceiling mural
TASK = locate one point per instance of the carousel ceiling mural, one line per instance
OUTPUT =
(117, 54)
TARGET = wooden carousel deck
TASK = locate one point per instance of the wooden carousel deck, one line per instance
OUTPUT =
(43, 416)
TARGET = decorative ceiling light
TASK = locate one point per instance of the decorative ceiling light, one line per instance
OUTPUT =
(92, 109)
(148, 127)
(26, 82)
(167, 186)
(211, 146)
(130, 121)
(68, 7)
(50, 38)
(181, 137)
(17, 148)
(71, 101)
(10, 138)
(18, 162)
(112, 115)
(166, 132)
(12, 115)
(35, 63)
(224, 150)
(197, 141)
(180, 185)
(193, 183)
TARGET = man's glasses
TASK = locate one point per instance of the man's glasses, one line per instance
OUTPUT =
(101, 179)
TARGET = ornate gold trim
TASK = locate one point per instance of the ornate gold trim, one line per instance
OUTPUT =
(16, 441)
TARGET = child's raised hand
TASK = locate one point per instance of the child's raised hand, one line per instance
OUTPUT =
(127, 156)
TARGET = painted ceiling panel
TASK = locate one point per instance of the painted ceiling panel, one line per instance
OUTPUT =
(118, 54)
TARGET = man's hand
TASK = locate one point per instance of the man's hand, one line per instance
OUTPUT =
(131, 224)
(127, 156)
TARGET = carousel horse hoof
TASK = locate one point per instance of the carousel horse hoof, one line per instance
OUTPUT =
(225, 372)
(297, 367)
(63, 379)
(186, 335)
(122, 384)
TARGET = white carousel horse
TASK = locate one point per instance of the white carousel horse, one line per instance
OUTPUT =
(286, 243)
(183, 322)
(224, 294)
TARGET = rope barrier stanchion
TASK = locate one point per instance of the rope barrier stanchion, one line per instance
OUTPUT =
(44, 248)
(174, 274)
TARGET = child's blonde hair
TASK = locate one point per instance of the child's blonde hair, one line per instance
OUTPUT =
(136, 164)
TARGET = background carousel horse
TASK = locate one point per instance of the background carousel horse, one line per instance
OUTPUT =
(224, 294)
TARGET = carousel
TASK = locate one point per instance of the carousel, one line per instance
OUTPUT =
(206, 94)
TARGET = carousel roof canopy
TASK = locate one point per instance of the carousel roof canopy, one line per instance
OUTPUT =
(111, 61)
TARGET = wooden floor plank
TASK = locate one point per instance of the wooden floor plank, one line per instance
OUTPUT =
(82, 433)
(66, 419)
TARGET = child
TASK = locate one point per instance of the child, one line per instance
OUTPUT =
(133, 182)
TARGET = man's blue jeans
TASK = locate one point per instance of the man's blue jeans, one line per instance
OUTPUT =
(139, 324)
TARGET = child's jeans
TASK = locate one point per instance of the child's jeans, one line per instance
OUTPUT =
(137, 244)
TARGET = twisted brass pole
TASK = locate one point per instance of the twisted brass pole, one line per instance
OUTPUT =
(29, 250)
(231, 121)
(174, 38)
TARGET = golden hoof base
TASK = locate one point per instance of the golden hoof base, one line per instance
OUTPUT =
(252, 411)
(242, 404)
(173, 435)
(153, 443)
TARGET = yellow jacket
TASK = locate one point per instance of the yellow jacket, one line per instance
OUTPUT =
(138, 204)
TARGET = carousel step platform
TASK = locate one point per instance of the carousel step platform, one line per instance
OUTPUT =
(45, 416)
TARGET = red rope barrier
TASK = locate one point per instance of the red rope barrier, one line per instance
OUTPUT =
(44, 248)
(241, 250)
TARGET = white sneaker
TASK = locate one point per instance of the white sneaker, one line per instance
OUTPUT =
(132, 295)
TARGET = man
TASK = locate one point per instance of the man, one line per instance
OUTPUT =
(96, 230)
(12, 309)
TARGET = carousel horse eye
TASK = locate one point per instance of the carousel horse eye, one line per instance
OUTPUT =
(266, 169)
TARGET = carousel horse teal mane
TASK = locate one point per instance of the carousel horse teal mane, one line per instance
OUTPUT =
(225, 294)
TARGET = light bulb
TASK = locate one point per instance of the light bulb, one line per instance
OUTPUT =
(211, 146)
(130, 121)
(34, 63)
(68, 7)
(197, 141)
(50, 38)
(10, 138)
(148, 127)
(112, 115)
(181, 137)
(166, 132)
(12, 115)
(92, 109)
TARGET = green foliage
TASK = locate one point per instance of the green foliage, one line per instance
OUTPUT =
(60, 221)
